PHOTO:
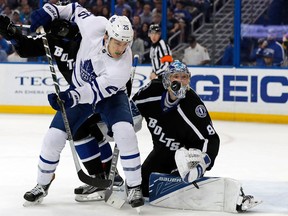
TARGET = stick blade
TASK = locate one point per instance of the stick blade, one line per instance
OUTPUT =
(114, 201)
(100, 183)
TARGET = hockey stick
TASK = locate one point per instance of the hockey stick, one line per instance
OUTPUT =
(101, 183)
(110, 198)
(135, 62)
(23, 26)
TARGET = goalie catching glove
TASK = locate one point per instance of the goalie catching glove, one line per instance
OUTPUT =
(69, 98)
(191, 163)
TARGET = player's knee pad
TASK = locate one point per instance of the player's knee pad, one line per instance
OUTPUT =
(125, 137)
(53, 143)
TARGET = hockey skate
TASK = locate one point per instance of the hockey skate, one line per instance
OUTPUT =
(247, 202)
(135, 197)
(36, 195)
(86, 193)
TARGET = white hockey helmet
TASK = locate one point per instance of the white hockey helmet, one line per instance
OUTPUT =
(120, 28)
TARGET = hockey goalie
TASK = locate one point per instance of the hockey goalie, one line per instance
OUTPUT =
(184, 190)
(185, 146)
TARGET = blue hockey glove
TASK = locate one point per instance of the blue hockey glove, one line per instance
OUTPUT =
(39, 18)
(69, 99)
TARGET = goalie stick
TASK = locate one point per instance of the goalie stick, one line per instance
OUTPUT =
(110, 198)
(101, 183)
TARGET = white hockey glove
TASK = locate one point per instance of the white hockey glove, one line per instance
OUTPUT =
(137, 117)
(191, 163)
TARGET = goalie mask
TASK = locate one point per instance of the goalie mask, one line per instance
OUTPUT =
(176, 79)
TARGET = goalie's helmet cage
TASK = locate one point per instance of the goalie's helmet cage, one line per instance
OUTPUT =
(120, 28)
(176, 67)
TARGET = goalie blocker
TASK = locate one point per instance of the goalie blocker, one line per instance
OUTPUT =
(214, 194)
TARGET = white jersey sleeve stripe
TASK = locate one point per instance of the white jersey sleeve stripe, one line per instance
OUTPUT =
(150, 99)
(195, 129)
(97, 92)
(73, 12)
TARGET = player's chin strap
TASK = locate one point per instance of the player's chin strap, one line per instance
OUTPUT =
(101, 183)
(110, 198)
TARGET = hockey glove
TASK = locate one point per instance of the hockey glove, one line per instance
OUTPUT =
(39, 18)
(137, 117)
(7, 29)
(191, 163)
(69, 98)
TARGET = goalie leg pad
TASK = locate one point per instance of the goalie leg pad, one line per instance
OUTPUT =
(214, 194)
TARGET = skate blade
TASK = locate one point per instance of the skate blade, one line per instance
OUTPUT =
(138, 210)
(37, 202)
(118, 188)
(252, 205)
(97, 196)
(115, 201)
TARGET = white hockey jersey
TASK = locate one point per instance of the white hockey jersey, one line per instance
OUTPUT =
(96, 75)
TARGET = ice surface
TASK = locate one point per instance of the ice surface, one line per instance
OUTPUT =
(255, 154)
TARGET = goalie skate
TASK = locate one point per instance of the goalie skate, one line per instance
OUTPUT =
(248, 202)
(36, 195)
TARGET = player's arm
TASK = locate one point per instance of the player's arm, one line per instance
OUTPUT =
(21, 42)
(73, 12)
(149, 93)
(201, 127)
(200, 152)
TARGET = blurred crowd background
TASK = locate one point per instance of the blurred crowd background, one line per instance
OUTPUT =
(190, 23)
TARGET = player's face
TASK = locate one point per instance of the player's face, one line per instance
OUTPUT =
(116, 48)
(180, 77)
(154, 36)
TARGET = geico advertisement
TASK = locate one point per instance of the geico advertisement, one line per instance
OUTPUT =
(263, 91)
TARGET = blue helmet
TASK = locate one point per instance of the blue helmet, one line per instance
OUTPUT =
(176, 87)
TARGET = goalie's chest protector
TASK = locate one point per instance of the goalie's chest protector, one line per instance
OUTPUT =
(168, 129)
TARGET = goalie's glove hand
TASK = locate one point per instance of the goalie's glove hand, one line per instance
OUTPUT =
(7, 28)
(69, 98)
(39, 18)
(191, 163)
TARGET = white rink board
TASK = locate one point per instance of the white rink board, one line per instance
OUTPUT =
(259, 91)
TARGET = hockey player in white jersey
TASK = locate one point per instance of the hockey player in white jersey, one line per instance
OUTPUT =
(101, 71)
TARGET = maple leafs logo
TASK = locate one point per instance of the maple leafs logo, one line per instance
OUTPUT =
(86, 71)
